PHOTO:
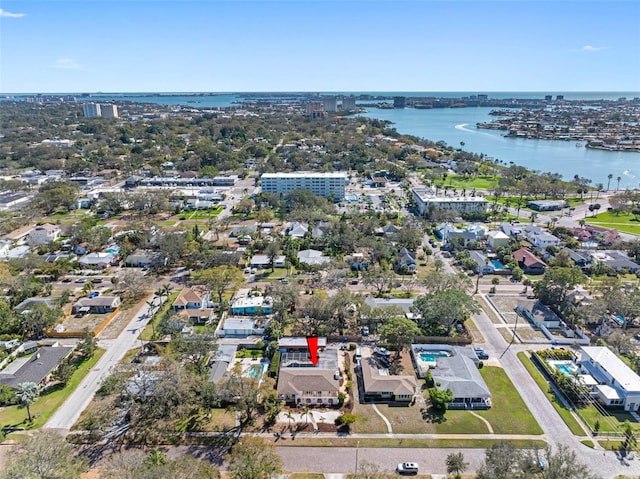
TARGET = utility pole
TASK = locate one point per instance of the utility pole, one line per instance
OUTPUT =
(356, 468)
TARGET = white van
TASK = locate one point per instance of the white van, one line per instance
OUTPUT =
(358, 354)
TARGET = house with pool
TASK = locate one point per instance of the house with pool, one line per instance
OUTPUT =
(454, 368)
(611, 381)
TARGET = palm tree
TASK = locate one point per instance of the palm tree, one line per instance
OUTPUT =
(289, 415)
(306, 410)
(166, 290)
(609, 178)
(156, 457)
(27, 393)
(456, 464)
(151, 304)
(618, 180)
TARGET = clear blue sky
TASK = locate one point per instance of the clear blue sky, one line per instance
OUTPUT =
(307, 45)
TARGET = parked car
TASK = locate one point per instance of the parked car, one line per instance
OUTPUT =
(96, 280)
(407, 468)
(81, 280)
(365, 330)
(481, 353)
(382, 352)
(66, 280)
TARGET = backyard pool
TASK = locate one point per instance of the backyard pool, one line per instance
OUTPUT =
(497, 264)
(255, 370)
(430, 358)
(565, 367)
(351, 197)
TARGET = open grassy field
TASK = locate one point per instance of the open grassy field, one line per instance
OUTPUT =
(508, 414)
(625, 222)
(44, 407)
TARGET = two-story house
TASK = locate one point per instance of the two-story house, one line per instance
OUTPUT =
(44, 234)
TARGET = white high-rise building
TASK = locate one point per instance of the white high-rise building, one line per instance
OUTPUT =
(109, 110)
(91, 110)
(348, 103)
(322, 184)
(330, 104)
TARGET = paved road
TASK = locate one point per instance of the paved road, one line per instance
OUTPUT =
(70, 411)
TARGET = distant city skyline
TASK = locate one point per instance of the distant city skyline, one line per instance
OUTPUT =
(235, 46)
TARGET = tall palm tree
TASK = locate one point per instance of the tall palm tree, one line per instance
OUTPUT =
(609, 178)
(27, 393)
(289, 415)
(618, 180)
(306, 410)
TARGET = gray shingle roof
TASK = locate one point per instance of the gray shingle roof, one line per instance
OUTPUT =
(460, 374)
(36, 368)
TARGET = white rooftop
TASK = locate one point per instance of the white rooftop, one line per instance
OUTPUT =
(623, 374)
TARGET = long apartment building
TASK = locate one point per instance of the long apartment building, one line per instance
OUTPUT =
(426, 200)
(322, 184)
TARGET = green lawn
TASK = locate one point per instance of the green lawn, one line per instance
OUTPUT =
(623, 222)
(610, 421)
(44, 407)
(564, 413)
(481, 182)
(387, 443)
(508, 414)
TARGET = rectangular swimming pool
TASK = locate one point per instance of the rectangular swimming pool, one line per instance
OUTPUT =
(566, 368)
(431, 357)
(497, 264)
(255, 371)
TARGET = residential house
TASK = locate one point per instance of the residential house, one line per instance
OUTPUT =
(34, 369)
(98, 260)
(406, 261)
(263, 261)
(197, 297)
(44, 234)
(298, 344)
(473, 232)
(220, 362)
(97, 305)
(242, 326)
(615, 259)
(312, 257)
(388, 230)
(581, 259)
(405, 303)
(529, 262)
(298, 230)
(539, 237)
(483, 264)
(497, 239)
(305, 386)
(453, 368)
(514, 231)
(615, 385)
(359, 261)
(380, 385)
(251, 305)
(321, 230)
(243, 230)
(142, 260)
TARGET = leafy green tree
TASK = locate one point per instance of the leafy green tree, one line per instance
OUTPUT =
(440, 311)
(440, 398)
(44, 456)
(554, 463)
(272, 251)
(7, 395)
(254, 458)
(55, 194)
(26, 394)
(64, 371)
(87, 346)
(558, 282)
(502, 461)
(399, 332)
(220, 278)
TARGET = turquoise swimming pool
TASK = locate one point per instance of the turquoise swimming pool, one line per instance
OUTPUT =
(431, 357)
(497, 264)
(566, 368)
(255, 371)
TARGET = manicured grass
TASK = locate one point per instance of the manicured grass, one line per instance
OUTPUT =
(148, 330)
(44, 407)
(588, 443)
(564, 413)
(480, 182)
(622, 222)
(508, 414)
(387, 443)
(610, 421)
(249, 353)
(461, 422)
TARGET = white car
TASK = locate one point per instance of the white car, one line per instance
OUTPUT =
(407, 468)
